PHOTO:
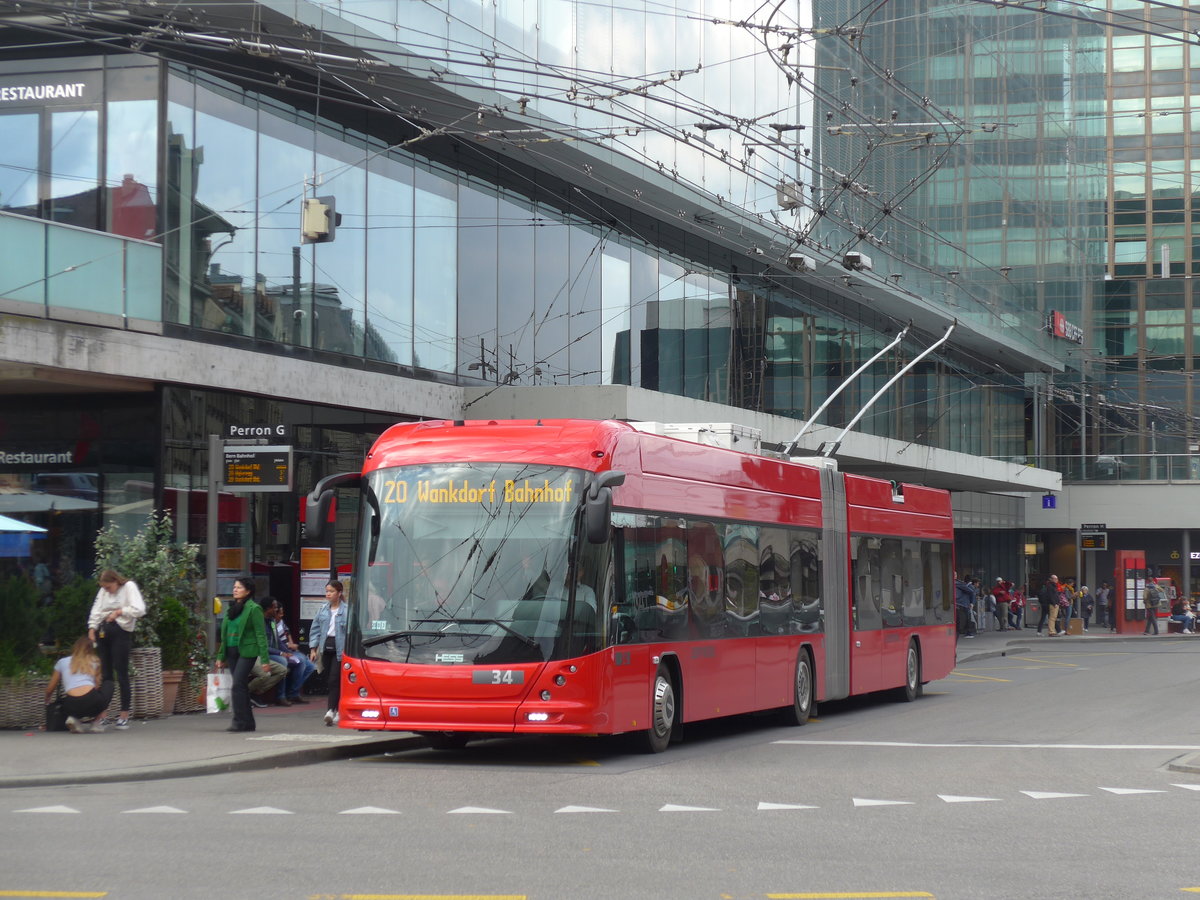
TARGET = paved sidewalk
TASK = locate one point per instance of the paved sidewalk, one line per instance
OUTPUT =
(182, 745)
(197, 744)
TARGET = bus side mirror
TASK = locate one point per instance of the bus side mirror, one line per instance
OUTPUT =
(597, 511)
(318, 502)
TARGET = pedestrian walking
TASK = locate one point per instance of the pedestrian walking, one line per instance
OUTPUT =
(1048, 601)
(1087, 603)
(1153, 599)
(1002, 591)
(1102, 609)
(327, 641)
(111, 623)
(243, 642)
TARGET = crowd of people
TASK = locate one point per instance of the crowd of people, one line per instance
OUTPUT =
(255, 646)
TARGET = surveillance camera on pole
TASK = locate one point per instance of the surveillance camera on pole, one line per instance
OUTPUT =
(319, 220)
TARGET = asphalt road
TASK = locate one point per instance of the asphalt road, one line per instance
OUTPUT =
(1040, 775)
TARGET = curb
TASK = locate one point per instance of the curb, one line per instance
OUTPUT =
(1189, 764)
(248, 763)
(989, 654)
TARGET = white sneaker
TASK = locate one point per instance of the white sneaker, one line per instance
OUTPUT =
(98, 727)
(74, 725)
(330, 717)
(337, 717)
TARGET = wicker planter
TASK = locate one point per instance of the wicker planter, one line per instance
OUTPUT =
(23, 702)
(145, 681)
(190, 697)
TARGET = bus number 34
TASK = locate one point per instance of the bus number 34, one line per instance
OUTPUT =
(498, 676)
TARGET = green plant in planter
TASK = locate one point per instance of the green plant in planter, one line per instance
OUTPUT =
(67, 615)
(167, 574)
(23, 624)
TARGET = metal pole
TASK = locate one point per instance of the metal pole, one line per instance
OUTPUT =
(828, 449)
(215, 460)
(791, 448)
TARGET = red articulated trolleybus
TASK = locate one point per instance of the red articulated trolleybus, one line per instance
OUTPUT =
(585, 577)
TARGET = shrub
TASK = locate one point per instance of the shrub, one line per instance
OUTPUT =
(24, 622)
(67, 616)
(167, 573)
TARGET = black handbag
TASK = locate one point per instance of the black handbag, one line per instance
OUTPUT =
(56, 716)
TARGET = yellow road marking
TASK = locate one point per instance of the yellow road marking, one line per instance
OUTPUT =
(1045, 662)
(972, 675)
(856, 894)
(53, 893)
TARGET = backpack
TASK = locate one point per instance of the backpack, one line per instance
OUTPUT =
(1153, 596)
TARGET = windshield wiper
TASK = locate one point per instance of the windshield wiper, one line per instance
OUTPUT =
(396, 635)
(529, 642)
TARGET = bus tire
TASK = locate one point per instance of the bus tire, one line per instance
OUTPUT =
(802, 692)
(447, 740)
(912, 675)
(657, 737)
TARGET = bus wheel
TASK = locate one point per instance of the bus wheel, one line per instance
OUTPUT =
(802, 699)
(447, 740)
(662, 713)
(912, 676)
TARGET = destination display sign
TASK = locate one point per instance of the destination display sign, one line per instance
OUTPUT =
(1096, 541)
(489, 493)
(258, 468)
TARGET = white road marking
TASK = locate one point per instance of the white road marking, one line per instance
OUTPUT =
(1188, 787)
(48, 809)
(261, 811)
(766, 806)
(1049, 795)
(480, 810)
(153, 809)
(1130, 791)
(671, 807)
(951, 798)
(993, 746)
(582, 809)
(369, 811)
(858, 801)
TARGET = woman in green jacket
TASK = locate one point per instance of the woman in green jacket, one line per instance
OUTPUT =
(243, 642)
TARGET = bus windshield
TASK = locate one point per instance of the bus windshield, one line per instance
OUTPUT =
(466, 563)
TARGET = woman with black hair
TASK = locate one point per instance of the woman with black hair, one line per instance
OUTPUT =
(327, 640)
(243, 641)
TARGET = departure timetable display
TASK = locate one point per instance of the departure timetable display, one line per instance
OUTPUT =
(258, 468)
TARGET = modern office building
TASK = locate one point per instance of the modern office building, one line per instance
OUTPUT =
(313, 219)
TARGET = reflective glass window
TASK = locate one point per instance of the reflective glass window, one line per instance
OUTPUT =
(285, 165)
(614, 317)
(220, 203)
(339, 278)
(517, 322)
(551, 299)
(131, 168)
(435, 269)
(390, 261)
(75, 168)
(478, 353)
(19, 162)
(584, 322)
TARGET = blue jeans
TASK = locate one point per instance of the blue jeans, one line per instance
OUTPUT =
(299, 668)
